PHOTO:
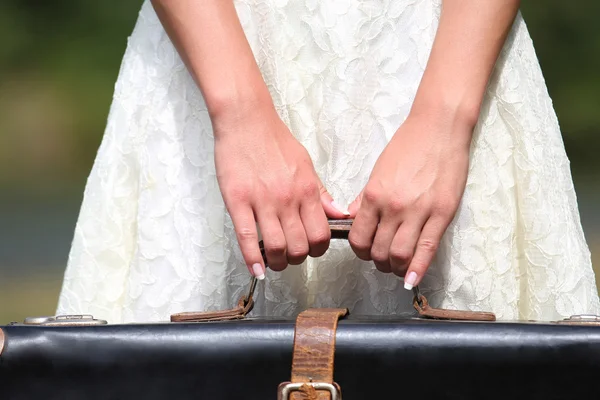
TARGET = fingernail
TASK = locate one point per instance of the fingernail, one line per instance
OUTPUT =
(258, 271)
(410, 280)
(339, 208)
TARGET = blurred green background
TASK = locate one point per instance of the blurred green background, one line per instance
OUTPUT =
(58, 64)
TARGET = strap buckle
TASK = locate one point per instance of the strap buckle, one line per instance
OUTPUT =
(286, 389)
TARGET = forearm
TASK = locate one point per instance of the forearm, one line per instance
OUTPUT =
(211, 42)
(470, 35)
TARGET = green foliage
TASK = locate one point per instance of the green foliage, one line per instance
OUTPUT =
(59, 60)
(58, 63)
(567, 40)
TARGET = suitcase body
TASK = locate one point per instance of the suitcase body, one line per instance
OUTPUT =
(399, 357)
(429, 354)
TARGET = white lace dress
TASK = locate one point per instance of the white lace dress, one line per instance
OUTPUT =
(153, 236)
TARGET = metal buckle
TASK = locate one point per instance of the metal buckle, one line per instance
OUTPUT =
(251, 290)
(286, 389)
(417, 296)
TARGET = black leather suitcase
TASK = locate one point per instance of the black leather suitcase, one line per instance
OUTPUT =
(428, 354)
(401, 357)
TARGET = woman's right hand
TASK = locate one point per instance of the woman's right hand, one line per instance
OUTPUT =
(267, 178)
(264, 174)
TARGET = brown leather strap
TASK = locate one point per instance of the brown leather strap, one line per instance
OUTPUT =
(340, 228)
(240, 311)
(314, 348)
(425, 310)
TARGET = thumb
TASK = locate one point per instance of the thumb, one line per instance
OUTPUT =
(332, 209)
(355, 205)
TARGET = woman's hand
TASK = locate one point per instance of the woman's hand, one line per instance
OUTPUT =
(412, 195)
(264, 174)
(418, 181)
(267, 177)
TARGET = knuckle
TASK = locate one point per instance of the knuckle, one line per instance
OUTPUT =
(298, 251)
(383, 267)
(358, 245)
(371, 195)
(247, 235)
(296, 260)
(428, 245)
(285, 196)
(239, 193)
(400, 256)
(379, 256)
(309, 189)
(275, 248)
(319, 237)
(397, 205)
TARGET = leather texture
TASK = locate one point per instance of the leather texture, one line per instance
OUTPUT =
(314, 350)
(374, 358)
(243, 307)
(425, 310)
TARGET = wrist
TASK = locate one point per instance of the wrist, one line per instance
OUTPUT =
(460, 111)
(454, 100)
(457, 115)
(446, 117)
(237, 100)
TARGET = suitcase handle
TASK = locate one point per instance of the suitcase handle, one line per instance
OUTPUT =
(339, 230)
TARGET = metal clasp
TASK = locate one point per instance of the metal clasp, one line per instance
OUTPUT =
(286, 389)
(251, 290)
(64, 320)
(417, 296)
(583, 318)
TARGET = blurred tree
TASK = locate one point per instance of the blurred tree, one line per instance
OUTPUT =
(59, 61)
(566, 36)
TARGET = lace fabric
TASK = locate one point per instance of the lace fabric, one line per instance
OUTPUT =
(153, 236)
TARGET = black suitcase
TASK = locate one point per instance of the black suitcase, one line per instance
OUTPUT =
(428, 354)
(401, 357)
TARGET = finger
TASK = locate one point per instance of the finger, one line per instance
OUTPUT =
(273, 240)
(295, 238)
(316, 227)
(247, 237)
(380, 252)
(425, 250)
(363, 231)
(332, 209)
(403, 245)
(355, 205)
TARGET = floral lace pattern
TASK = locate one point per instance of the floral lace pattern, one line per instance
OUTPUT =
(154, 238)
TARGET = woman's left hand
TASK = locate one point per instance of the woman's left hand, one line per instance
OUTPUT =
(412, 195)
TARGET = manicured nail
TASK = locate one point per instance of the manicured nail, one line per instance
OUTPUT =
(410, 280)
(340, 208)
(258, 271)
